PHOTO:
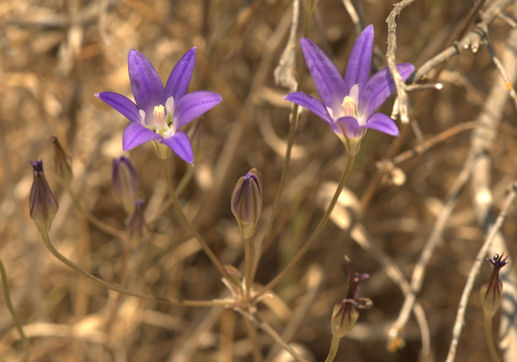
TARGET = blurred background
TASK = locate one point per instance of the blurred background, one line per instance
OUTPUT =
(56, 54)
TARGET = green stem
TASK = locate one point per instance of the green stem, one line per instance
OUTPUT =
(334, 345)
(107, 285)
(314, 236)
(249, 257)
(490, 339)
(186, 222)
(16, 320)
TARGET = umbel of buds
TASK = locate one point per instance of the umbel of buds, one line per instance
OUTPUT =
(61, 163)
(42, 203)
(125, 182)
(491, 290)
(346, 312)
(247, 202)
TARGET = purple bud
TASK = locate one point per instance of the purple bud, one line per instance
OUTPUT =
(61, 163)
(125, 182)
(42, 203)
(346, 312)
(491, 290)
(246, 202)
(136, 224)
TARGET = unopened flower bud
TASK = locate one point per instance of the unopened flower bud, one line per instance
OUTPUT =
(136, 225)
(61, 163)
(346, 312)
(125, 183)
(42, 203)
(491, 290)
(247, 202)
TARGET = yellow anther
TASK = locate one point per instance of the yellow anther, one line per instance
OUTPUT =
(349, 105)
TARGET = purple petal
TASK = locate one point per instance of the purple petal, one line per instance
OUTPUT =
(379, 87)
(359, 62)
(329, 83)
(382, 123)
(180, 144)
(312, 104)
(194, 104)
(135, 134)
(122, 104)
(178, 81)
(145, 82)
(347, 126)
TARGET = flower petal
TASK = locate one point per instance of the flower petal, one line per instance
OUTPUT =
(145, 82)
(122, 104)
(347, 126)
(382, 123)
(135, 134)
(359, 62)
(194, 104)
(180, 144)
(329, 83)
(178, 81)
(312, 104)
(379, 87)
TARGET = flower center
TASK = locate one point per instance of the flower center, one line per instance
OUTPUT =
(349, 105)
(162, 120)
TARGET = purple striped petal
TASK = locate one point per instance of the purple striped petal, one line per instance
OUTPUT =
(122, 104)
(329, 83)
(312, 104)
(379, 87)
(180, 144)
(359, 62)
(145, 82)
(135, 134)
(178, 81)
(194, 104)
(382, 123)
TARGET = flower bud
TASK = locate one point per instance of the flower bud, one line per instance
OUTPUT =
(136, 225)
(42, 203)
(61, 163)
(491, 290)
(346, 312)
(125, 183)
(247, 202)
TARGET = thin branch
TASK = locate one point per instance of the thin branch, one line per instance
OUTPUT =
(462, 308)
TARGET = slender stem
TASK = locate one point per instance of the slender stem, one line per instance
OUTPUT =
(184, 220)
(93, 219)
(107, 285)
(334, 345)
(490, 339)
(314, 236)
(16, 320)
(255, 342)
(249, 257)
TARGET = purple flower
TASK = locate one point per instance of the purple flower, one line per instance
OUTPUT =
(160, 112)
(348, 105)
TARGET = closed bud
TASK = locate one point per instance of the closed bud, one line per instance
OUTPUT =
(136, 225)
(61, 163)
(125, 183)
(42, 203)
(491, 290)
(247, 202)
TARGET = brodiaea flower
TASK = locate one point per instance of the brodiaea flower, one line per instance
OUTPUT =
(160, 112)
(348, 105)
